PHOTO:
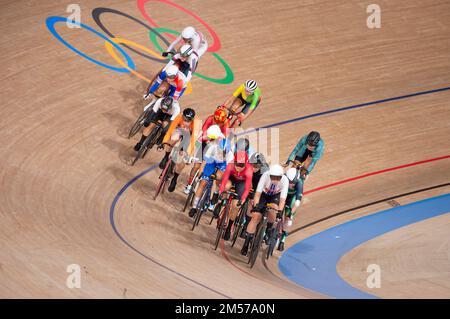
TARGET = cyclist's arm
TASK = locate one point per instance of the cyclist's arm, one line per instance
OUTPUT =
(176, 110)
(157, 105)
(297, 148)
(174, 43)
(316, 156)
(248, 183)
(194, 129)
(161, 77)
(225, 178)
(172, 127)
(205, 127)
(180, 85)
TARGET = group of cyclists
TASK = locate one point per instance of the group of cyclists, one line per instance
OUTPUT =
(216, 151)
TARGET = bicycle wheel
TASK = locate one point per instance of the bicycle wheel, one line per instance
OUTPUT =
(190, 198)
(144, 148)
(239, 225)
(216, 212)
(257, 243)
(221, 225)
(139, 122)
(201, 207)
(163, 178)
(272, 241)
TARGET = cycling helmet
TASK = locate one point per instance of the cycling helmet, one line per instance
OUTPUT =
(293, 175)
(242, 144)
(186, 50)
(172, 71)
(241, 158)
(188, 33)
(188, 114)
(276, 170)
(313, 138)
(213, 132)
(257, 158)
(166, 103)
(220, 116)
(251, 85)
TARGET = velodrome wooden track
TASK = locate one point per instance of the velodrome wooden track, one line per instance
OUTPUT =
(64, 154)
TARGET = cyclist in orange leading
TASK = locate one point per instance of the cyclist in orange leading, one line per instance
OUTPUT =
(182, 127)
(247, 95)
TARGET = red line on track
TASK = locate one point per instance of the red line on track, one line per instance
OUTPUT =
(224, 254)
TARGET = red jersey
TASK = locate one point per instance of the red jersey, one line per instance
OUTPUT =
(224, 128)
(245, 175)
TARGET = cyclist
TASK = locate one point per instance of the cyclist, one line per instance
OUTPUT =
(238, 174)
(184, 61)
(182, 127)
(308, 151)
(218, 118)
(175, 78)
(193, 37)
(164, 110)
(293, 200)
(272, 189)
(260, 166)
(247, 95)
(216, 156)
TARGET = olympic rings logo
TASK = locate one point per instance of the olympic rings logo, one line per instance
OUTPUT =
(154, 31)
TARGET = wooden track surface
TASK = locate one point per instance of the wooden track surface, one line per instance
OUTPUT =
(64, 152)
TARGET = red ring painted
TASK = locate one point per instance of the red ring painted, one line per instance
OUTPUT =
(216, 45)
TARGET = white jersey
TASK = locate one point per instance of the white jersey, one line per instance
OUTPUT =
(265, 185)
(174, 110)
(198, 43)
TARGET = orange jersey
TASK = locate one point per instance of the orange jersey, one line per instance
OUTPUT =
(177, 123)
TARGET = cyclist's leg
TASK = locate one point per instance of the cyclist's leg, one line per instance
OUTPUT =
(220, 169)
(271, 213)
(256, 216)
(168, 147)
(207, 171)
(149, 124)
(247, 112)
(239, 188)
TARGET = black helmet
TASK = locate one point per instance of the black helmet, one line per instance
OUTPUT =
(188, 114)
(166, 103)
(258, 159)
(313, 138)
(242, 144)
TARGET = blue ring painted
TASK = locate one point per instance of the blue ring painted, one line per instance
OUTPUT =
(312, 262)
(50, 23)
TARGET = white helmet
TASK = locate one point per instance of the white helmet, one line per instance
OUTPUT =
(214, 132)
(293, 175)
(276, 170)
(188, 33)
(171, 71)
(186, 50)
(251, 85)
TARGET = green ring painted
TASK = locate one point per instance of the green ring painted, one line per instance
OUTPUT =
(229, 77)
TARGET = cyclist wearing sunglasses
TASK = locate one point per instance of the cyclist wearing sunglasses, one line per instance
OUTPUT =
(308, 150)
(177, 82)
(272, 189)
(238, 174)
